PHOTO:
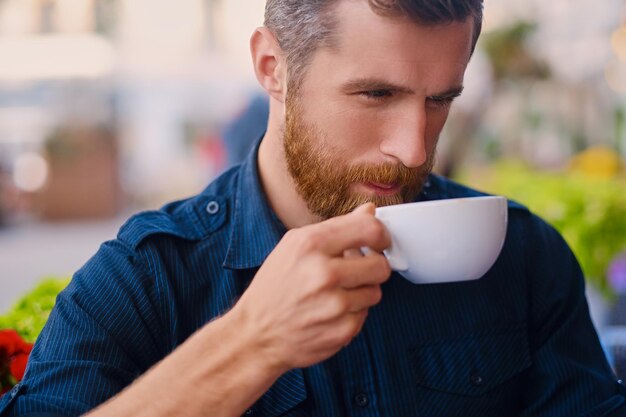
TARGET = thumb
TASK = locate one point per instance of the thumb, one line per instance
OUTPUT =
(367, 208)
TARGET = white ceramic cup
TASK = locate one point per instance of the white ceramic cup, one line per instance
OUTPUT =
(445, 240)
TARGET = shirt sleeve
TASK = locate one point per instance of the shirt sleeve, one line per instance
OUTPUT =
(570, 375)
(101, 335)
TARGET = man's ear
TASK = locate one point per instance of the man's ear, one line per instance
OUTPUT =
(269, 63)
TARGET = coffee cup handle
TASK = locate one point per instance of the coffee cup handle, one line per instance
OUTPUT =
(396, 262)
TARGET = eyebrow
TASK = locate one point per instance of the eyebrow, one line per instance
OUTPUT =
(370, 84)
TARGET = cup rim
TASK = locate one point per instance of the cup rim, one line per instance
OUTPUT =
(429, 203)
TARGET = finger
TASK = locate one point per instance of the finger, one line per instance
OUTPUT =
(363, 298)
(364, 270)
(361, 316)
(348, 327)
(352, 253)
(367, 208)
(351, 231)
(358, 321)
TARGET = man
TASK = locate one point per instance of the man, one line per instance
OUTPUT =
(211, 307)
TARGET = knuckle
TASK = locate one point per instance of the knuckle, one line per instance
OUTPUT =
(347, 332)
(382, 265)
(291, 235)
(327, 275)
(291, 238)
(311, 240)
(350, 327)
(361, 322)
(362, 318)
(302, 240)
(357, 324)
(376, 230)
(377, 295)
(339, 305)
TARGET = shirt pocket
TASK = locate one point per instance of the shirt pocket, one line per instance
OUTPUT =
(471, 366)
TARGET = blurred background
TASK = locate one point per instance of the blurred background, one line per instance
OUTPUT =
(108, 107)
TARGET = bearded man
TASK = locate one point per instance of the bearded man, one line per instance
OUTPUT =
(253, 297)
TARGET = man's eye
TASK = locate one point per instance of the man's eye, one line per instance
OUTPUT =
(440, 101)
(376, 94)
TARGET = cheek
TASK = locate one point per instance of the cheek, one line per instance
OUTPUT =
(436, 119)
(356, 132)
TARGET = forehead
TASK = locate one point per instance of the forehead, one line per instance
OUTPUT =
(369, 45)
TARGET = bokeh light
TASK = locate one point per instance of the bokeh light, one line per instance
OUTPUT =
(30, 172)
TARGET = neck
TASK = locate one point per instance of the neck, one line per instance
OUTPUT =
(277, 183)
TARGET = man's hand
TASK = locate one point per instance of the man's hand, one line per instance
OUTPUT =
(310, 298)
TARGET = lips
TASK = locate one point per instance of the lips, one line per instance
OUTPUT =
(383, 189)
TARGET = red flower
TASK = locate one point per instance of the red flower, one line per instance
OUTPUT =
(14, 353)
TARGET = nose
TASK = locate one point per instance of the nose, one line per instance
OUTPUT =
(406, 141)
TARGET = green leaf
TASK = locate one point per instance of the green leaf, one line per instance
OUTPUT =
(30, 313)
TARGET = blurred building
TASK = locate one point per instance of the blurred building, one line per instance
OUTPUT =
(161, 75)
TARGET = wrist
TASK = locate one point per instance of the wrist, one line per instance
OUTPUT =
(255, 344)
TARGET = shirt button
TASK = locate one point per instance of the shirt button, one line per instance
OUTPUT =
(14, 391)
(249, 412)
(476, 379)
(213, 207)
(361, 400)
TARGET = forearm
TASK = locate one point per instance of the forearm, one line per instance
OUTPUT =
(215, 372)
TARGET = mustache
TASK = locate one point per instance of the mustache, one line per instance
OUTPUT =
(384, 174)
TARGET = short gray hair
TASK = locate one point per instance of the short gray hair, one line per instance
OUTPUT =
(302, 26)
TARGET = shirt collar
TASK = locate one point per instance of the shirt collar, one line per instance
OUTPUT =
(256, 228)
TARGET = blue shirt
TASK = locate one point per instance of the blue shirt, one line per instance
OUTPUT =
(517, 342)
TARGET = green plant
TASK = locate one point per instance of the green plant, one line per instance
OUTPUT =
(589, 212)
(509, 54)
(30, 313)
